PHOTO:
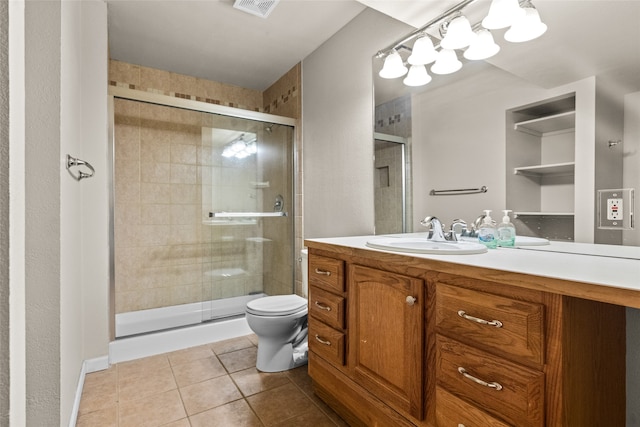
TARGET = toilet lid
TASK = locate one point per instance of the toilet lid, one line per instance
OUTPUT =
(277, 305)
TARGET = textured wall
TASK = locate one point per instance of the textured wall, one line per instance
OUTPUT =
(42, 219)
(4, 212)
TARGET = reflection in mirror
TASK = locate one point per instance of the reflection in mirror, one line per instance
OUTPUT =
(390, 195)
(392, 171)
(465, 133)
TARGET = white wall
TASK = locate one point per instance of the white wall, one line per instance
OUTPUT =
(17, 341)
(337, 127)
(631, 179)
(631, 160)
(59, 246)
(83, 204)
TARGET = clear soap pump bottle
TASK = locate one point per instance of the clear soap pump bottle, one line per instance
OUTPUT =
(506, 231)
(487, 234)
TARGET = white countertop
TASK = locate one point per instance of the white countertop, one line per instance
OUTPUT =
(605, 265)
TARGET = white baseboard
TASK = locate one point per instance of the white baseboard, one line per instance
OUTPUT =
(88, 366)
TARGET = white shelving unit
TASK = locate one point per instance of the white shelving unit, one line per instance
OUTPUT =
(549, 125)
(541, 166)
(566, 168)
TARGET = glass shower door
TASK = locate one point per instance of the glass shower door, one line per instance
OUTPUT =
(247, 200)
(195, 233)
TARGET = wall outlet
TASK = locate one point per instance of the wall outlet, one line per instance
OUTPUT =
(614, 209)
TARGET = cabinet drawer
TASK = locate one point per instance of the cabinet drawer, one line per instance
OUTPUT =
(326, 342)
(497, 385)
(327, 273)
(327, 307)
(507, 325)
(454, 412)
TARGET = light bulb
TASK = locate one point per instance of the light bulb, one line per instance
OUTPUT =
(527, 27)
(459, 34)
(482, 47)
(423, 52)
(502, 14)
(417, 76)
(393, 66)
(446, 63)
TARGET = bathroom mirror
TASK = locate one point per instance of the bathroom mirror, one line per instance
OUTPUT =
(590, 42)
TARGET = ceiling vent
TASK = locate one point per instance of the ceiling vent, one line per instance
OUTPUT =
(261, 8)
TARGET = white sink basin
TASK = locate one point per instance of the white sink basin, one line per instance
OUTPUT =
(421, 245)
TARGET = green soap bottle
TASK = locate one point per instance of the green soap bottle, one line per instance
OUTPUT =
(487, 233)
(506, 231)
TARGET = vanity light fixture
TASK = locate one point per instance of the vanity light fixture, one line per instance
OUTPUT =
(417, 76)
(477, 41)
(502, 14)
(482, 47)
(526, 27)
(393, 66)
(446, 63)
(239, 148)
(423, 51)
(458, 33)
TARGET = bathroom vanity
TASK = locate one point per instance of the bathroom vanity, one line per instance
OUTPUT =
(507, 338)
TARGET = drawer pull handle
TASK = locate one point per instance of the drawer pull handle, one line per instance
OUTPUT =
(411, 300)
(322, 306)
(493, 385)
(321, 341)
(496, 323)
(323, 272)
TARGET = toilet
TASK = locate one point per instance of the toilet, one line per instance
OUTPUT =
(280, 322)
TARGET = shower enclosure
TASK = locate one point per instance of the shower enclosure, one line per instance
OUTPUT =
(202, 210)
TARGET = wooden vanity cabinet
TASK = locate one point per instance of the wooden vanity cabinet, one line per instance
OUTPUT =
(420, 343)
(327, 328)
(386, 318)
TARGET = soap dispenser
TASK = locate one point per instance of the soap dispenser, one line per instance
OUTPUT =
(487, 234)
(506, 231)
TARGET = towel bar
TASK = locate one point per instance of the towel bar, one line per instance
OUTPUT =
(482, 189)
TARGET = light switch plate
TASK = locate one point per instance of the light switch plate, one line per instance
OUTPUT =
(615, 209)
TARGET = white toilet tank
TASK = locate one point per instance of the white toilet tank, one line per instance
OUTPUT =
(304, 261)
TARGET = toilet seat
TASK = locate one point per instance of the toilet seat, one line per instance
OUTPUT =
(277, 305)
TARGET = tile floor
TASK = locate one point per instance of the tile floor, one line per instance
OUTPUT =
(210, 385)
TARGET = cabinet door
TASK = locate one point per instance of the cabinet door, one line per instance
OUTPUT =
(386, 336)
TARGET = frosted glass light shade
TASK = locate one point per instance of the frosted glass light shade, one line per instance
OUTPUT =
(482, 47)
(393, 66)
(417, 76)
(502, 14)
(527, 27)
(423, 52)
(446, 63)
(459, 34)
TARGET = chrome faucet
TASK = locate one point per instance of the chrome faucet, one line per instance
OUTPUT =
(437, 233)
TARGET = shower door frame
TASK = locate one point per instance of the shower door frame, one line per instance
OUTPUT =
(187, 104)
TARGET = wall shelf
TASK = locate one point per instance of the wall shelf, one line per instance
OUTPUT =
(544, 126)
(567, 168)
(543, 214)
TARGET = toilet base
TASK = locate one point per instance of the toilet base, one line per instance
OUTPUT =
(278, 357)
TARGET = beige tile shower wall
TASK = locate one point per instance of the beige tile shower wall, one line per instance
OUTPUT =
(159, 246)
(159, 81)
